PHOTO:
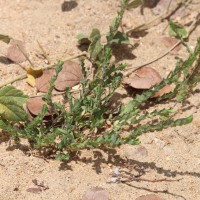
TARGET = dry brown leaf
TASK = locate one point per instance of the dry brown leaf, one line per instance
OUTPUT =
(149, 197)
(42, 83)
(14, 51)
(70, 76)
(170, 42)
(143, 78)
(166, 89)
(96, 194)
(34, 105)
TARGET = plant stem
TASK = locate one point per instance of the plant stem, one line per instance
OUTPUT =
(23, 76)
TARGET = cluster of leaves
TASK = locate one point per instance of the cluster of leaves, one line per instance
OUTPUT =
(88, 123)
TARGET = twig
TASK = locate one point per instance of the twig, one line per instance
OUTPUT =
(130, 179)
(20, 77)
(23, 76)
(25, 55)
(55, 94)
(44, 52)
(191, 28)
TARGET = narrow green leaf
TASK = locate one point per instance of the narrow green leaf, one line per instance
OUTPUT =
(95, 46)
(177, 30)
(134, 4)
(120, 38)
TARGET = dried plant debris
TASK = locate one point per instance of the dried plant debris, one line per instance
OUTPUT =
(42, 83)
(95, 194)
(143, 78)
(69, 76)
(16, 51)
(149, 197)
(35, 105)
(166, 89)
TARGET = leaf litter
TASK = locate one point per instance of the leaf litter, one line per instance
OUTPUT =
(69, 76)
(34, 105)
(96, 193)
(143, 78)
(16, 51)
(42, 82)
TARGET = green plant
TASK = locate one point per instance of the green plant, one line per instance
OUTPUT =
(89, 122)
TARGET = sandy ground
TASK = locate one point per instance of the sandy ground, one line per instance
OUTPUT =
(172, 153)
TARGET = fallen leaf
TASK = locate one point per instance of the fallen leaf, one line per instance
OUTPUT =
(32, 74)
(170, 42)
(42, 83)
(69, 76)
(35, 105)
(166, 89)
(96, 194)
(149, 197)
(34, 190)
(144, 78)
(14, 51)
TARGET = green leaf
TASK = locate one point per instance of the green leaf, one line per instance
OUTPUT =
(11, 104)
(63, 157)
(134, 4)
(83, 39)
(5, 38)
(177, 30)
(120, 38)
(95, 47)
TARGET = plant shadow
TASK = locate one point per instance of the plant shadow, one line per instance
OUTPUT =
(123, 52)
(5, 60)
(68, 5)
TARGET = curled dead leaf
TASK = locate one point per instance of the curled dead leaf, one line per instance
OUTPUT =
(144, 78)
(16, 50)
(166, 89)
(42, 83)
(149, 197)
(96, 194)
(70, 76)
(34, 105)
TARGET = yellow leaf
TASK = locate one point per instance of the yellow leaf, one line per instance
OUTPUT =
(32, 74)
(30, 80)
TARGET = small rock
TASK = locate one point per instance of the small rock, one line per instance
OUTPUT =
(135, 152)
(96, 194)
(167, 150)
(116, 171)
(159, 143)
(113, 180)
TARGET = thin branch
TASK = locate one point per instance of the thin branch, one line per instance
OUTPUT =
(191, 28)
(130, 179)
(23, 76)
(44, 52)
